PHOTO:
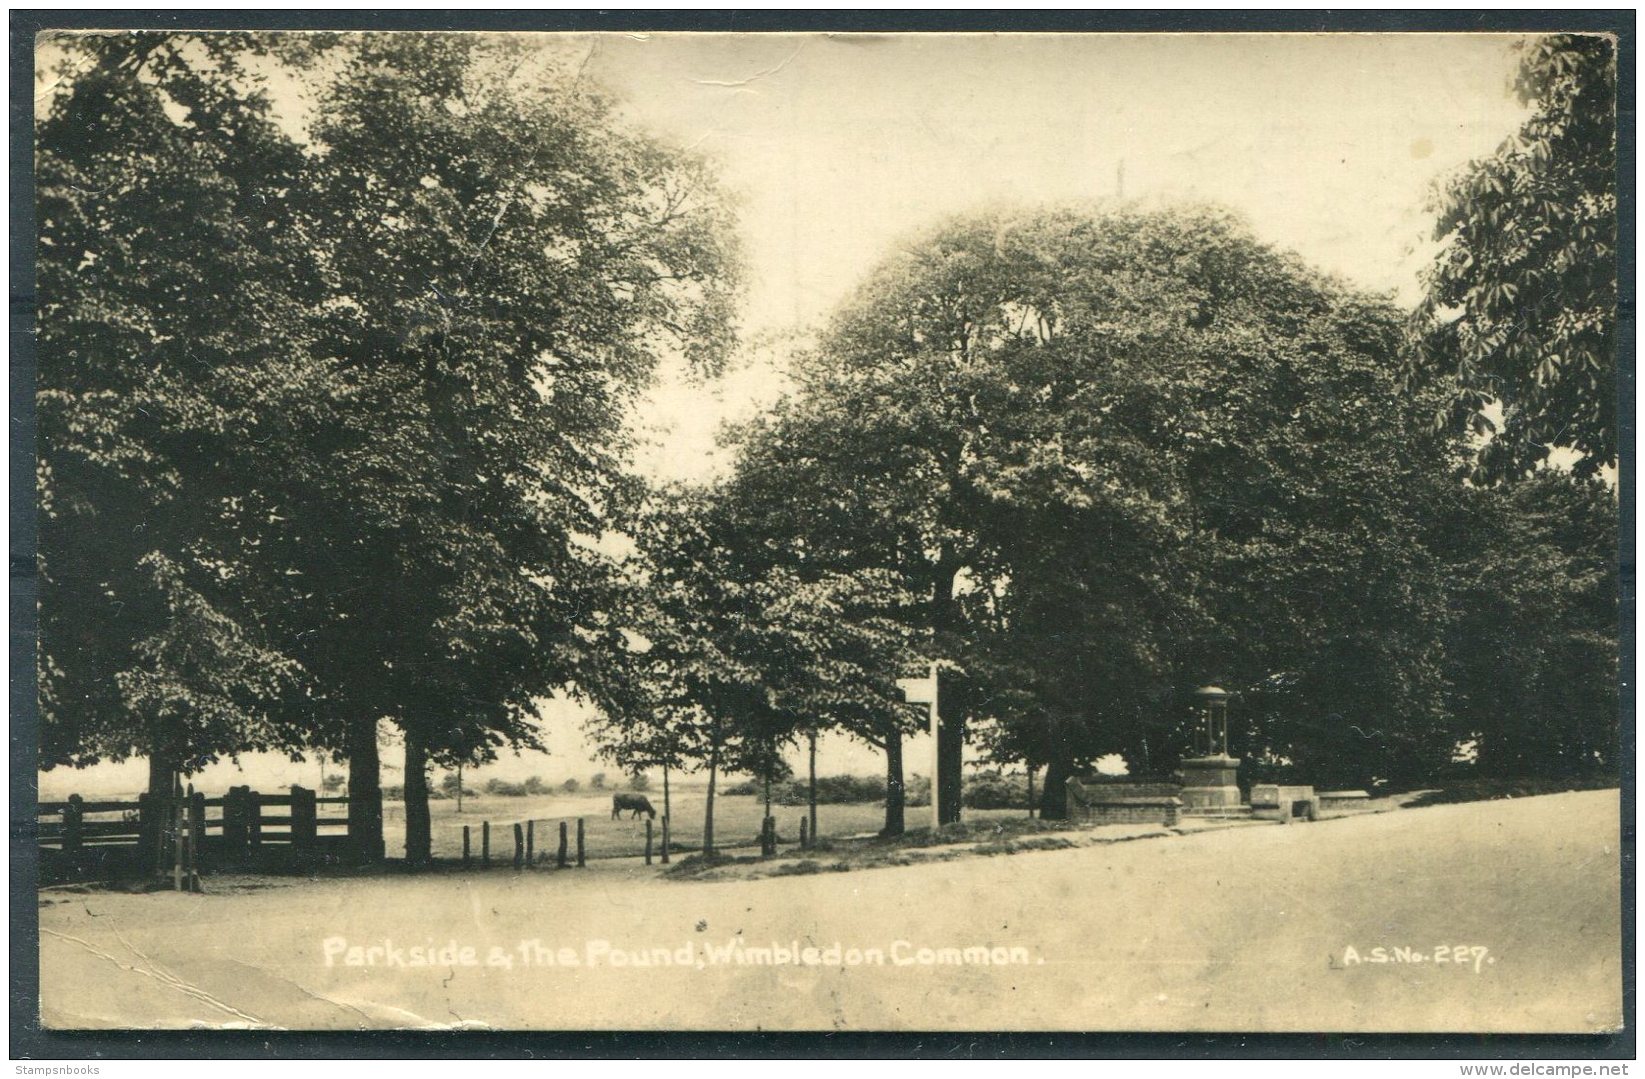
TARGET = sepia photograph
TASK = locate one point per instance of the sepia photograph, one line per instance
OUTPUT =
(827, 531)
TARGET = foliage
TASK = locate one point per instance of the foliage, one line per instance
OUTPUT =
(639, 782)
(361, 390)
(1116, 453)
(1533, 650)
(597, 782)
(173, 285)
(1521, 302)
(570, 786)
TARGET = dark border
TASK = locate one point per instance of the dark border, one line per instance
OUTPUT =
(29, 1041)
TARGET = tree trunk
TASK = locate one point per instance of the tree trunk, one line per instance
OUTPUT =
(811, 795)
(1030, 791)
(459, 788)
(161, 773)
(946, 784)
(894, 796)
(1054, 802)
(365, 790)
(668, 808)
(419, 838)
(713, 773)
(767, 795)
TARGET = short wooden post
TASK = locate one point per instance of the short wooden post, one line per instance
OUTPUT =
(560, 861)
(254, 819)
(196, 825)
(530, 842)
(305, 822)
(196, 830)
(174, 819)
(579, 842)
(665, 840)
(648, 841)
(235, 828)
(150, 832)
(465, 847)
(519, 845)
(805, 836)
(74, 823)
(485, 843)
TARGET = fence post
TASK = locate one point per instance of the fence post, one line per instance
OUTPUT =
(530, 842)
(74, 823)
(519, 845)
(805, 836)
(485, 843)
(665, 840)
(149, 832)
(559, 862)
(254, 818)
(579, 842)
(234, 823)
(174, 820)
(196, 830)
(465, 846)
(191, 851)
(305, 826)
(648, 841)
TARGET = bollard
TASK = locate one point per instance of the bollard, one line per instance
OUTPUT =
(519, 845)
(648, 841)
(485, 843)
(465, 846)
(665, 840)
(530, 842)
(560, 861)
(579, 842)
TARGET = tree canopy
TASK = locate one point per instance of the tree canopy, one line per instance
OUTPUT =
(1519, 317)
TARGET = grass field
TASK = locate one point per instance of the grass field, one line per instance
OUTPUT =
(736, 822)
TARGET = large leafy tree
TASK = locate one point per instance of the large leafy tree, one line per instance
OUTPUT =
(174, 282)
(1519, 317)
(1533, 653)
(366, 371)
(1094, 440)
(504, 261)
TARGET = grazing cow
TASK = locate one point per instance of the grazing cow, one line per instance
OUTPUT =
(639, 803)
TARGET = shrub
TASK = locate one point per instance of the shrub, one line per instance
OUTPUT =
(597, 781)
(639, 782)
(995, 790)
(448, 785)
(333, 783)
(535, 785)
(505, 789)
(746, 787)
(570, 786)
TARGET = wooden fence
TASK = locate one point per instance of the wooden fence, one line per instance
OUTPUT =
(243, 829)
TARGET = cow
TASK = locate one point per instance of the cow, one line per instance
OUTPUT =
(639, 803)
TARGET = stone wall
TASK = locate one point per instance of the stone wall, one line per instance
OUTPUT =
(1123, 803)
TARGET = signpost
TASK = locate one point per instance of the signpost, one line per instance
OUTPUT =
(924, 691)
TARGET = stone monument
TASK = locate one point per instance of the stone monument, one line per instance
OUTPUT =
(1211, 781)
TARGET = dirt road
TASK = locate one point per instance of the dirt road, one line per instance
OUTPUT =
(1257, 928)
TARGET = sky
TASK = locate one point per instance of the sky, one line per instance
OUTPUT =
(838, 146)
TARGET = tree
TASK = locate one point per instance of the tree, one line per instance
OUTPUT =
(1521, 302)
(503, 262)
(1092, 439)
(173, 287)
(1533, 649)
